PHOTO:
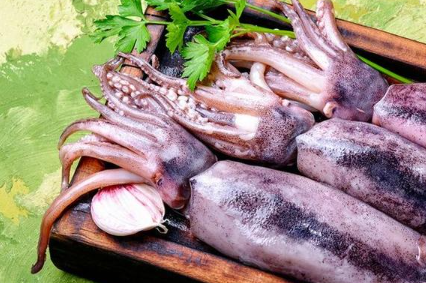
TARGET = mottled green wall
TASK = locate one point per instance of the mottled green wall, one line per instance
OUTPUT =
(45, 60)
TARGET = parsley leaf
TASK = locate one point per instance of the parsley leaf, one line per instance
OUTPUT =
(161, 5)
(174, 36)
(200, 5)
(133, 37)
(199, 55)
(131, 8)
(176, 30)
(201, 52)
(240, 5)
(110, 26)
(131, 33)
(220, 34)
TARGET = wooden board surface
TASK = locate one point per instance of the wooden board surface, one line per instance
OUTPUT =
(78, 246)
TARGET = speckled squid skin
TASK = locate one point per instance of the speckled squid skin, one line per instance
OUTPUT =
(292, 225)
(369, 162)
(403, 111)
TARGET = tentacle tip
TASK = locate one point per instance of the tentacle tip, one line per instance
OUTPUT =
(37, 266)
(60, 143)
(88, 94)
(85, 90)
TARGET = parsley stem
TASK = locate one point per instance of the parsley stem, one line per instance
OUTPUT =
(239, 34)
(269, 13)
(263, 11)
(254, 28)
(384, 70)
(204, 23)
(148, 22)
(204, 16)
(292, 35)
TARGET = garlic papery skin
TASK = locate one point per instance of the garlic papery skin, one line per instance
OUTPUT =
(124, 210)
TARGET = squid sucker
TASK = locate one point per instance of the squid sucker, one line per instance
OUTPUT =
(403, 111)
(334, 81)
(292, 225)
(232, 115)
(370, 163)
(151, 149)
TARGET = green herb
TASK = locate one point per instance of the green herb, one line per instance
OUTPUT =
(384, 70)
(131, 33)
(130, 28)
(199, 55)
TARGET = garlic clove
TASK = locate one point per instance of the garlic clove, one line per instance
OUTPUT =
(127, 209)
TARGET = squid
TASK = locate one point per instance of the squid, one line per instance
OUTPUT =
(403, 111)
(338, 84)
(151, 149)
(232, 115)
(292, 225)
(370, 163)
(246, 212)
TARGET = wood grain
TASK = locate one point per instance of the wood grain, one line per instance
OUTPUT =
(143, 250)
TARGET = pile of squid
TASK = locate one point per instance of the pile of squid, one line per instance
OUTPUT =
(356, 212)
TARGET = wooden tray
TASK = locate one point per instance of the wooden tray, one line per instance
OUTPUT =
(78, 246)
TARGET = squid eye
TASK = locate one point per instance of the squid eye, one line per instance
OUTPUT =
(160, 182)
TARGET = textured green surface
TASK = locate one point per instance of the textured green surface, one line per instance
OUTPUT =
(44, 62)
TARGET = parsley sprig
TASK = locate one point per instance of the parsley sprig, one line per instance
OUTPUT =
(130, 28)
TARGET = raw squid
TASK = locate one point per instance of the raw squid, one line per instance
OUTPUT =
(233, 115)
(151, 149)
(295, 226)
(334, 80)
(403, 111)
(370, 163)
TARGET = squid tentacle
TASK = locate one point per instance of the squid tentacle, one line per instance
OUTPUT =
(69, 196)
(218, 131)
(257, 75)
(327, 25)
(154, 74)
(137, 142)
(108, 152)
(237, 102)
(320, 57)
(223, 132)
(151, 122)
(222, 118)
(232, 100)
(290, 89)
(313, 31)
(131, 111)
(282, 61)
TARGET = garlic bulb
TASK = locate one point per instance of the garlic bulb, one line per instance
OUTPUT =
(127, 209)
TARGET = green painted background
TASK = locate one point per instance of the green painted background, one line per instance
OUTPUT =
(45, 60)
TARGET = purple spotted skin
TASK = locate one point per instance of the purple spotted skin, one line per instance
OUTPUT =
(292, 225)
(370, 163)
(403, 111)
